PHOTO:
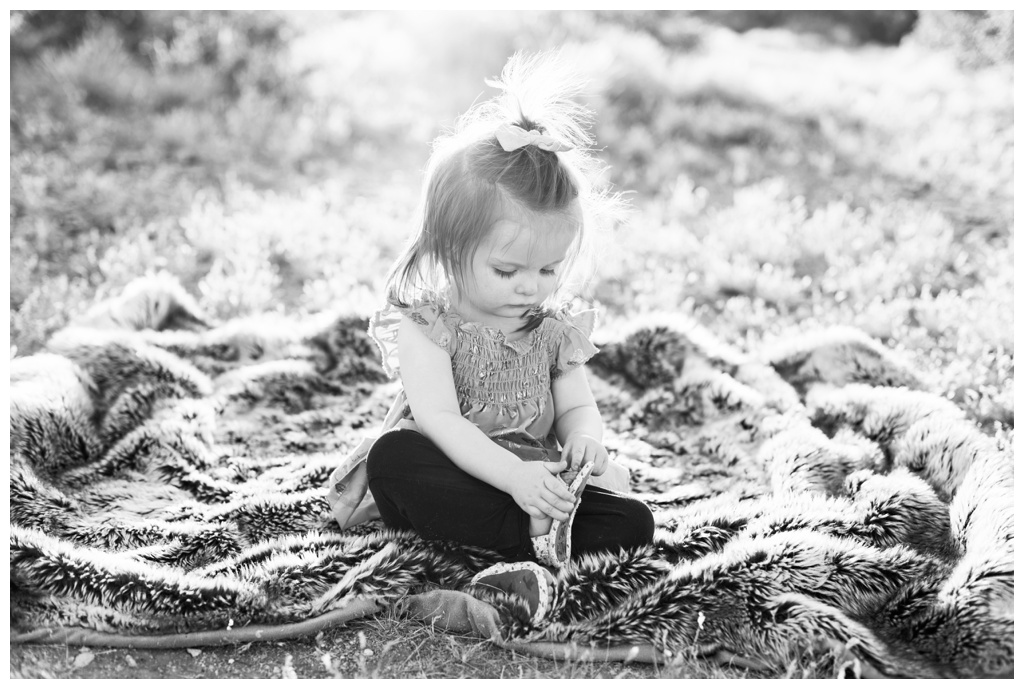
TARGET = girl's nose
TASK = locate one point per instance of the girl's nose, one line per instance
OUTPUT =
(527, 286)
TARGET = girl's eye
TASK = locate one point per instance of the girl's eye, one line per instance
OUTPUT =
(509, 274)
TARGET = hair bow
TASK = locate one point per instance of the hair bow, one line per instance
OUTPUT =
(512, 137)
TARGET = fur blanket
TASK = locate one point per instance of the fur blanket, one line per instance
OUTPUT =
(168, 477)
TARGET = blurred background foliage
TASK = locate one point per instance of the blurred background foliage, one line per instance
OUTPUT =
(787, 169)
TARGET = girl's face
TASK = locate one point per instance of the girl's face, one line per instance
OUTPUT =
(516, 267)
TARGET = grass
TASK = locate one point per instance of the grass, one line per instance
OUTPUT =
(780, 182)
(383, 647)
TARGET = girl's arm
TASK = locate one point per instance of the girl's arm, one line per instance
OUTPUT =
(578, 424)
(426, 372)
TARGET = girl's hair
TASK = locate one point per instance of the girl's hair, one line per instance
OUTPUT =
(472, 182)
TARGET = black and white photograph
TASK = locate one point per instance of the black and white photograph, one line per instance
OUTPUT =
(511, 344)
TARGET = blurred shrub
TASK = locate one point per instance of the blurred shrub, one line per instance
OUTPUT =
(235, 43)
(91, 112)
(49, 306)
(141, 63)
(35, 31)
(117, 119)
(780, 183)
(675, 29)
(249, 260)
(978, 38)
(768, 266)
(662, 114)
(684, 29)
(887, 27)
(392, 81)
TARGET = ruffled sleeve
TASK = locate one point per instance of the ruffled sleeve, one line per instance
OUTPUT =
(573, 347)
(384, 331)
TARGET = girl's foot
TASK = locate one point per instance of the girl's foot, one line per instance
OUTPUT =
(555, 547)
(528, 581)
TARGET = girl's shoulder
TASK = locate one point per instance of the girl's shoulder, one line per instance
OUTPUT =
(564, 333)
(570, 333)
(436, 322)
(566, 321)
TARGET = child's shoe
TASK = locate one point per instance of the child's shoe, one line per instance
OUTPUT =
(555, 547)
(529, 581)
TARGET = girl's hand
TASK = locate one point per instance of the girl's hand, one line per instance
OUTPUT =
(581, 448)
(539, 491)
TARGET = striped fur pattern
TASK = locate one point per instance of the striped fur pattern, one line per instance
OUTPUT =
(171, 479)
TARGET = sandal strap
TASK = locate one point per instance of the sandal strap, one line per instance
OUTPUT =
(555, 547)
(502, 576)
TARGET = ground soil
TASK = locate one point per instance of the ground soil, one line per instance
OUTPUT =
(381, 647)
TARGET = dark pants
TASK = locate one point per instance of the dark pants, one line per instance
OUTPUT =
(417, 487)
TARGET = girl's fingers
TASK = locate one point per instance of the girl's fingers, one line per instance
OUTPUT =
(536, 513)
(561, 500)
(563, 505)
(549, 509)
(558, 515)
(556, 467)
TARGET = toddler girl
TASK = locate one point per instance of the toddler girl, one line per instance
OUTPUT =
(491, 361)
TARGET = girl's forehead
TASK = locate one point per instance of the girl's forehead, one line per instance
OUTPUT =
(541, 238)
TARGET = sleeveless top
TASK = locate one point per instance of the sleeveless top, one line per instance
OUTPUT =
(504, 387)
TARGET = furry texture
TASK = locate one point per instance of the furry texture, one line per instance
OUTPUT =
(167, 480)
